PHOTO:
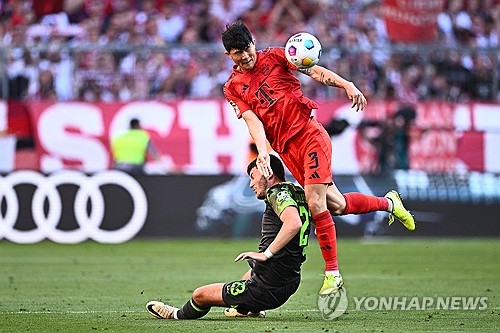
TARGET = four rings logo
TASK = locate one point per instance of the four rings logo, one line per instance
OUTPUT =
(47, 207)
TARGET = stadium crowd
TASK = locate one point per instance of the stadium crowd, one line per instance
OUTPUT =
(121, 50)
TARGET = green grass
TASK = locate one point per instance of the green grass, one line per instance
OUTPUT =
(94, 287)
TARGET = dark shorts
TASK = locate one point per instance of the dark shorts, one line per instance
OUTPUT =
(253, 296)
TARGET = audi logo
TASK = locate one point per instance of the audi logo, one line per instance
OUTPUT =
(89, 207)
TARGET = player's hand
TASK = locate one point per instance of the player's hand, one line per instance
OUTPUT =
(357, 98)
(251, 255)
(264, 165)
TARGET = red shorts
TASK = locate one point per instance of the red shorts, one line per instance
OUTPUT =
(308, 155)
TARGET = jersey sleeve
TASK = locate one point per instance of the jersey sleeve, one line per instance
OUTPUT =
(279, 52)
(239, 106)
(280, 197)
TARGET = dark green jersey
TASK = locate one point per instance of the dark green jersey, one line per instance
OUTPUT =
(284, 266)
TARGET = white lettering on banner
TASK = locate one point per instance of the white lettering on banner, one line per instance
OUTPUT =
(209, 146)
(416, 19)
(68, 131)
(4, 126)
(434, 116)
(434, 151)
(204, 137)
(462, 118)
(486, 117)
(491, 156)
(344, 159)
(89, 225)
(421, 5)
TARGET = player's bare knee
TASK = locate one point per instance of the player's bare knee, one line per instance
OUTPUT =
(336, 208)
(336, 205)
(316, 206)
(199, 296)
(336, 212)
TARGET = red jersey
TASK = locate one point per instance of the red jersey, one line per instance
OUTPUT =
(273, 93)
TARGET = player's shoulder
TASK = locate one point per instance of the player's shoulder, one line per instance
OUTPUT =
(275, 55)
(281, 190)
(233, 77)
(279, 186)
(272, 51)
(234, 73)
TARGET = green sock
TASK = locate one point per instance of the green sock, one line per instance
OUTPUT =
(191, 310)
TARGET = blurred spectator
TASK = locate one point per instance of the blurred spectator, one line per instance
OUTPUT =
(402, 121)
(458, 76)
(390, 140)
(91, 47)
(46, 87)
(171, 21)
(455, 23)
(131, 148)
(482, 78)
(227, 11)
(18, 77)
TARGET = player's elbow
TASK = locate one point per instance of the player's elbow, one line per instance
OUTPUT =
(295, 225)
(316, 72)
(291, 218)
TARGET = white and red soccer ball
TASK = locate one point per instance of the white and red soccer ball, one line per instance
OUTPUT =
(303, 50)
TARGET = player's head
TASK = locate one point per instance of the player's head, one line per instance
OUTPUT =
(236, 36)
(239, 45)
(134, 123)
(259, 183)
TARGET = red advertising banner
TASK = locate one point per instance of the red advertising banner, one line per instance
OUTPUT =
(204, 137)
(411, 20)
(195, 136)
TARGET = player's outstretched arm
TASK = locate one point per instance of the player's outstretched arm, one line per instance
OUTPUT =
(332, 79)
(256, 130)
(291, 226)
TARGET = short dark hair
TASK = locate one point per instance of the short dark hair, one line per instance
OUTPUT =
(236, 36)
(276, 166)
(134, 123)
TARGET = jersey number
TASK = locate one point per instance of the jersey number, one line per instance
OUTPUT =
(314, 158)
(304, 231)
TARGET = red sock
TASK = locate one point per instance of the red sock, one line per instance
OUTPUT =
(358, 203)
(327, 238)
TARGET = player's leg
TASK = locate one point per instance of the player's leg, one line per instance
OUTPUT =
(247, 275)
(359, 203)
(354, 202)
(313, 171)
(199, 305)
(250, 298)
(327, 237)
(316, 200)
(233, 312)
(398, 210)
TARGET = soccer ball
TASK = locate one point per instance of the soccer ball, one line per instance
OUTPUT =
(303, 50)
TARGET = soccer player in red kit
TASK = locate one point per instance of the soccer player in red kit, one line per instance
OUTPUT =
(264, 92)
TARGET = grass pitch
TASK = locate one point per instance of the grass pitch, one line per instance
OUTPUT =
(91, 287)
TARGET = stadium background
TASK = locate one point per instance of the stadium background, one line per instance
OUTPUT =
(74, 72)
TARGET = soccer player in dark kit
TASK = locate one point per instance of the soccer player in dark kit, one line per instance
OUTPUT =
(264, 92)
(275, 269)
